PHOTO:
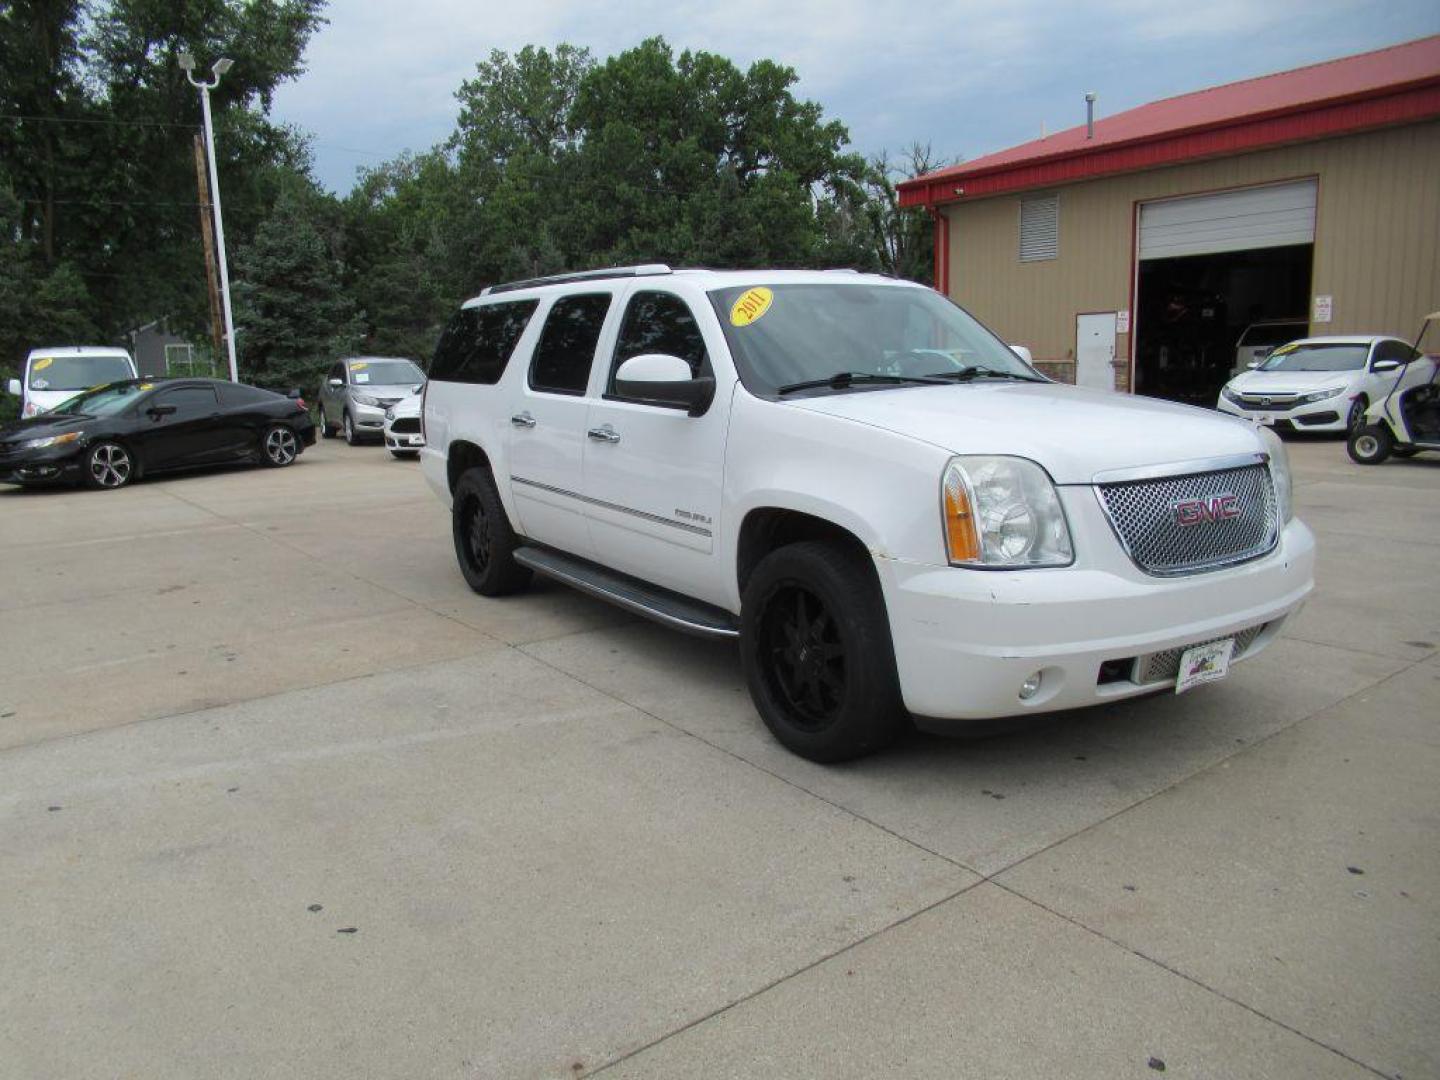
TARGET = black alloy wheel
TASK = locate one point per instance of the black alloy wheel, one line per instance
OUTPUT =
(108, 466)
(280, 447)
(484, 542)
(815, 645)
(1356, 416)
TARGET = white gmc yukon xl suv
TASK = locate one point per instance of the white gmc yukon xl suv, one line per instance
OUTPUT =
(894, 514)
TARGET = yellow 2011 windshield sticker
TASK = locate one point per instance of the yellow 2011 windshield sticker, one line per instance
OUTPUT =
(1283, 349)
(359, 365)
(752, 305)
(42, 363)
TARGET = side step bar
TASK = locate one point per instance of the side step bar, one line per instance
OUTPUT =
(651, 601)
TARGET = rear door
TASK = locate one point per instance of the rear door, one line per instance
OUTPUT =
(653, 473)
(547, 424)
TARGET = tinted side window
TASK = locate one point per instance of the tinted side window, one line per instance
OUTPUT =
(477, 344)
(337, 371)
(657, 322)
(233, 395)
(567, 344)
(189, 401)
(1393, 350)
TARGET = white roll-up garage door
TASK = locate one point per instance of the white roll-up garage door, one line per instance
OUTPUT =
(1276, 215)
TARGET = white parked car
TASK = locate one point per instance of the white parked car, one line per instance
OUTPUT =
(53, 375)
(402, 428)
(1314, 384)
(891, 511)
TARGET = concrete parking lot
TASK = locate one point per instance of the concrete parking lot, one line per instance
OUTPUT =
(280, 797)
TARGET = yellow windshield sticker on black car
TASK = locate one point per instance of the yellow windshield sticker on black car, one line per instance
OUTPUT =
(752, 306)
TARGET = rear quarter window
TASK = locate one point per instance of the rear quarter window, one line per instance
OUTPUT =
(479, 341)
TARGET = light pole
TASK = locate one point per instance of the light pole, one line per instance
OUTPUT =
(187, 61)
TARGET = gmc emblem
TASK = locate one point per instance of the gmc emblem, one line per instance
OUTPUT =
(1210, 508)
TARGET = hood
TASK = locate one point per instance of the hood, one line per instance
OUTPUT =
(40, 427)
(1283, 382)
(1073, 433)
(407, 406)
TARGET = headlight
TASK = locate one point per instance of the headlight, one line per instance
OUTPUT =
(1230, 395)
(53, 440)
(366, 399)
(1279, 473)
(1002, 511)
(389, 414)
(1320, 395)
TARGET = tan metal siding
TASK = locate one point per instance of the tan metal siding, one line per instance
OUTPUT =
(1377, 239)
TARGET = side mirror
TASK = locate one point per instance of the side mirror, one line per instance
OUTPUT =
(332, 381)
(1023, 353)
(1252, 365)
(1381, 366)
(14, 387)
(664, 380)
(155, 412)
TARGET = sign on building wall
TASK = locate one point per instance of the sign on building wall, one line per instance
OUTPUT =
(1323, 307)
(1122, 322)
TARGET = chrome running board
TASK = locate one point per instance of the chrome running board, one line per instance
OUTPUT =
(666, 607)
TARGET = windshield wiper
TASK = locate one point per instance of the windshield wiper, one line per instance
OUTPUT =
(841, 379)
(970, 372)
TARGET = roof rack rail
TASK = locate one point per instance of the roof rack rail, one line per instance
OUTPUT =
(645, 270)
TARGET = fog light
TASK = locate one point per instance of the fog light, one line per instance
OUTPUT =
(1030, 687)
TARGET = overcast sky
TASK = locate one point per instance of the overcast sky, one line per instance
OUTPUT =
(966, 76)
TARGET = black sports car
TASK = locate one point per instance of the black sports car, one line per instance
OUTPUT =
(110, 435)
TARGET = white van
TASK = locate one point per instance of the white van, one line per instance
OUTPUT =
(56, 374)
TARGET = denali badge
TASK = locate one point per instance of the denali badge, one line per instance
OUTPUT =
(1211, 508)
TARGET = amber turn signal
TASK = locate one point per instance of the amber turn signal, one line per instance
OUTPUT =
(962, 542)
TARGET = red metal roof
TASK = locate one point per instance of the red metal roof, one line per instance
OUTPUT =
(1388, 86)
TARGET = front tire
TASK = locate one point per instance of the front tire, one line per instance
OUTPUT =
(816, 649)
(1370, 445)
(108, 465)
(402, 455)
(279, 447)
(347, 426)
(484, 542)
(1356, 418)
(327, 429)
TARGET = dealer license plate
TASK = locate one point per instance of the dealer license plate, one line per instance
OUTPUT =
(1204, 663)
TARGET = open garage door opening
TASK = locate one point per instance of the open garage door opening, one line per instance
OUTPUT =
(1221, 278)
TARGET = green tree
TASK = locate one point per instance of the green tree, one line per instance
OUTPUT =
(293, 314)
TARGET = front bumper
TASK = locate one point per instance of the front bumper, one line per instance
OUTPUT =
(965, 640)
(48, 466)
(403, 440)
(368, 419)
(1327, 415)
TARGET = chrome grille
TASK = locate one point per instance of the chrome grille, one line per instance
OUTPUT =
(1165, 666)
(1145, 517)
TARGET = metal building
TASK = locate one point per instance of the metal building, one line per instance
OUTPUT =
(1155, 250)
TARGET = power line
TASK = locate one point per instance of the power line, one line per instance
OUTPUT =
(83, 120)
(104, 202)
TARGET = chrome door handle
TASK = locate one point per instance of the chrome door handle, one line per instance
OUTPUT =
(523, 419)
(604, 433)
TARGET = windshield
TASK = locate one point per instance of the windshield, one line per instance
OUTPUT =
(384, 372)
(1318, 357)
(102, 401)
(77, 372)
(783, 336)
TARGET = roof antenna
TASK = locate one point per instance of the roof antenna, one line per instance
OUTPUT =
(1090, 115)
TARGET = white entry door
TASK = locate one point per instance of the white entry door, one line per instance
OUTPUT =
(1095, 350)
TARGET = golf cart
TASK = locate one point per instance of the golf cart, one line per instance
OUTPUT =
(1407, 419)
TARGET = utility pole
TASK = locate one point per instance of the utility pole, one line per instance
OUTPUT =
(221, 66)
(212, 284)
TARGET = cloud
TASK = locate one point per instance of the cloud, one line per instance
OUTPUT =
(966, 75)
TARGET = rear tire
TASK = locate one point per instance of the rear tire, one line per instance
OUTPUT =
(327, 429)
(279, 447)
(815, 645)
(1370, 445)
(485, 543)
